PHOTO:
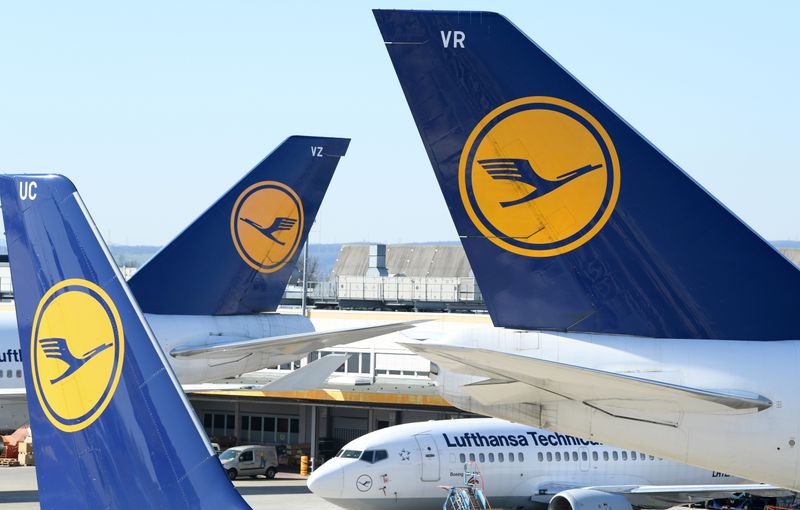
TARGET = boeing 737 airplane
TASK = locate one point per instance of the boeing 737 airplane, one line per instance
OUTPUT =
(118, 431)
(633, 304)
(406, 466)
(204, 292)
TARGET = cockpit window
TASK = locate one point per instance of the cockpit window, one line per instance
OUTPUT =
(339, 454)
(351, 454)
(373, 456)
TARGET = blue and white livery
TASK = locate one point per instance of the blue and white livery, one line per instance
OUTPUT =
(634, 304)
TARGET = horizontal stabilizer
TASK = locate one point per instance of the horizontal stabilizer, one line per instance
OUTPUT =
(308, 377)
(299, 344)
(616, 394)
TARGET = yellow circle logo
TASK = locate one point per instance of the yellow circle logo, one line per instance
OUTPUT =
(539, 176)
(266, 225)
(77, 348)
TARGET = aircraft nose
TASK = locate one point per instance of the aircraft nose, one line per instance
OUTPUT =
(327, 481)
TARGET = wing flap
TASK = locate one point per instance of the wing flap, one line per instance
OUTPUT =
(617, 394)
(713, 491)
(499, 391)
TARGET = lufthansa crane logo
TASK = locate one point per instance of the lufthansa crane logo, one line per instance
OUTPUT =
(266, 225)
(539, 176)
(77, 350)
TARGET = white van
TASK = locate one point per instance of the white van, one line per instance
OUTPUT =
(250, 461)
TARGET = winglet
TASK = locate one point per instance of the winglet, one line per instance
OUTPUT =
(118, 431)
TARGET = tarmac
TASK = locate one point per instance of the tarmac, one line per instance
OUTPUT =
(287, 491)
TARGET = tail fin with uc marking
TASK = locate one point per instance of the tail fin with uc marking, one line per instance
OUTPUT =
(237, 257)
(113, 428)
(571, 219)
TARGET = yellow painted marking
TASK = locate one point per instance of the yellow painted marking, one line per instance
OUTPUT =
(341, 396)
(262, 244)
(527, 143)
(76, 320)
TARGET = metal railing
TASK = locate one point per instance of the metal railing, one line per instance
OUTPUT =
(404, 289)
(391, 292)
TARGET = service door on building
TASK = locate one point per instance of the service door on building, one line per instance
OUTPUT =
(430, 457)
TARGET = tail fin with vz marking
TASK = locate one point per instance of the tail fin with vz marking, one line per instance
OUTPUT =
(571, 219)
(237, 257)
(113, 429)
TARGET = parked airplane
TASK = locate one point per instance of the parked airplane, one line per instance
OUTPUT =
(406, 466)
(118, 432)
(636, 305)
(203, 292)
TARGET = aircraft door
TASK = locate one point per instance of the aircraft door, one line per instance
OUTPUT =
(429, 456)
(583, 455)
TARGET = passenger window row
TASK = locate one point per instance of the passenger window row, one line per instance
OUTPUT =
(584, 456)
(481, 457)
(10, 373)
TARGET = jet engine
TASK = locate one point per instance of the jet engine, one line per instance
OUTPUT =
(588, 499)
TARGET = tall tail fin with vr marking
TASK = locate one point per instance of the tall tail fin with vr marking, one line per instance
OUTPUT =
(113, 428)
(572, 220)
(237, 257)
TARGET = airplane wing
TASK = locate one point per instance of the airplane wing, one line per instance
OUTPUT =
(513, 378)
(7, 394)
(644, 496)
(300, 343)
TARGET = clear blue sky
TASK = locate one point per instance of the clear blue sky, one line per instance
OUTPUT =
(155, 108)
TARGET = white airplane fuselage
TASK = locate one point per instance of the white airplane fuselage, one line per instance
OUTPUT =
(170, 331)
(520, 466)
(723, 443)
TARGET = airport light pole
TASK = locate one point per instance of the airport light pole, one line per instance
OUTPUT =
(305, 277)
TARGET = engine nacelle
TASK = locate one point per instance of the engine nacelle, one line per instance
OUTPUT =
(588, 499)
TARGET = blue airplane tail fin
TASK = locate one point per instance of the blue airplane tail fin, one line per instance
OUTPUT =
(237, 257)
(113, 428)
(571, 219)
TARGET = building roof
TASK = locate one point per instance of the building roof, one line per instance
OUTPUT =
(792, 254)
(431, 260)
(413, 260)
